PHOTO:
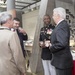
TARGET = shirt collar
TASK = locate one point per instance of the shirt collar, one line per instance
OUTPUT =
(3, 27)
(60, 21)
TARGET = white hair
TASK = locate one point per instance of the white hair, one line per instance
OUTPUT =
(61, 11)
(4, 17)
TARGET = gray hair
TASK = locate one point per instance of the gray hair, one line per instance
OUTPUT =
(4, 17)
(61, 11)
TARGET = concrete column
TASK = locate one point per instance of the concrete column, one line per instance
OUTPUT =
(46, 6)
(11, 7)
(74, 5)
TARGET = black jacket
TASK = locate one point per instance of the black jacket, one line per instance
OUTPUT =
(22, 38)
(60, 37)
(46, 54)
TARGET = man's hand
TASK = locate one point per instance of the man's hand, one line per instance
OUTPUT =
(21, 30)
(42, 45)
(47, 44)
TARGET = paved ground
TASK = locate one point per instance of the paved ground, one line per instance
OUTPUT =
(28, 68)
(34, 74)
(30, 73)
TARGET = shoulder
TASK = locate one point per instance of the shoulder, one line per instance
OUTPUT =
(8, 34)
(63, 24)
(11, 33)
(42, 28)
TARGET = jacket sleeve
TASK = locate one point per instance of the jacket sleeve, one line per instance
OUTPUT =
(17, 52)
(25, 36)
(61, 42)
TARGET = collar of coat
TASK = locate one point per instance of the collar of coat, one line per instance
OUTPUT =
(4, 28)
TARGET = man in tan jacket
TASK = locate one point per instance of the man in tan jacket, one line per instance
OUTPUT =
(11, 58)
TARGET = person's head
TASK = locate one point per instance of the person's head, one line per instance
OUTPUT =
(59, 13)
(16, 23)
(6, 20)
(46, 19)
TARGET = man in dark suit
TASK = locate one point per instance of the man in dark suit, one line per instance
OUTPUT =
(21, 33)
(61, 59)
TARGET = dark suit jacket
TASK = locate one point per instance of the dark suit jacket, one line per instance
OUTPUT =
(22, 38)
(60, 46)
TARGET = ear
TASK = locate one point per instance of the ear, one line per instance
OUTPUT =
(58, 15)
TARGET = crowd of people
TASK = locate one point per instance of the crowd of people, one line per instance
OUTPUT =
(54, 41)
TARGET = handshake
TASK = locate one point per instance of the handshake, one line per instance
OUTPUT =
(45, 44)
